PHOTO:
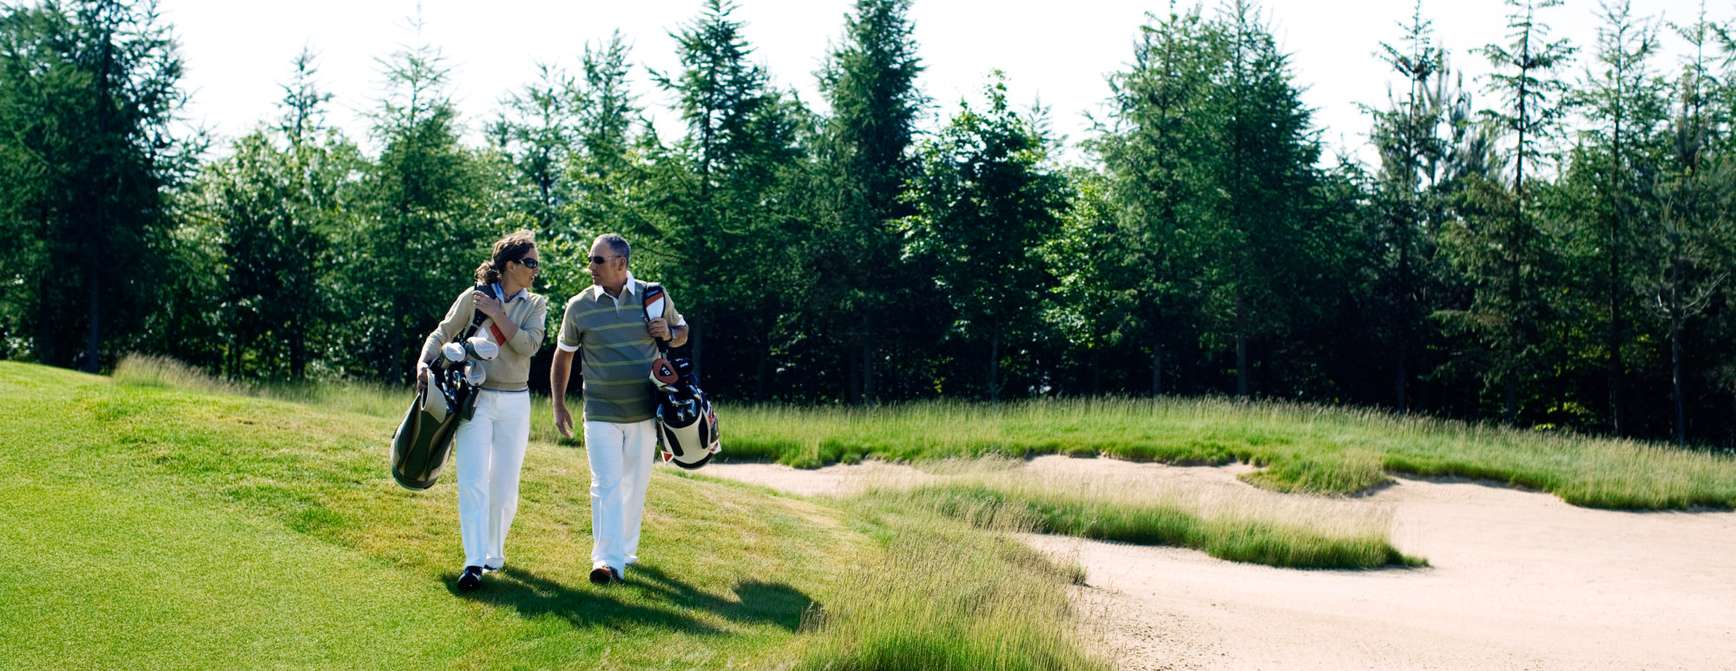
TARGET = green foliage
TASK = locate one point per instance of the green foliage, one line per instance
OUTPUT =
(425, 225)
(1557, 256)
(863, 166)
(988, 198)
(89, 92)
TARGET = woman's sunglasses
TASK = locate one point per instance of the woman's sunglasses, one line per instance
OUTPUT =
(528, 263)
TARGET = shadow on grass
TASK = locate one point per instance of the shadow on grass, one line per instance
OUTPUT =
(755, 601)
(585, 605)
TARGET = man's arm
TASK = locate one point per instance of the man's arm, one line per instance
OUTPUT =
(560, 370)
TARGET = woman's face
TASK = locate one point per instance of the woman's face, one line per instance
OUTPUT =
(523, 272)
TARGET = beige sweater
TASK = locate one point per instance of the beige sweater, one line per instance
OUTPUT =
(510, 371)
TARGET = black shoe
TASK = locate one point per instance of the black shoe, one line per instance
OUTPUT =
(486, 569)
(616, 574)
(471, 579)
(601, 575)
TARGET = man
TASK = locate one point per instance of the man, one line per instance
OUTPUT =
(606, 323)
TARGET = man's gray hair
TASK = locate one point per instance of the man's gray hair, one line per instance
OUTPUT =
(617, 244)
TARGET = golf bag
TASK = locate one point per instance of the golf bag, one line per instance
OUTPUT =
(424, 438)
(686, 424)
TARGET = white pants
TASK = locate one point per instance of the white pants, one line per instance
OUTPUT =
(621, 456)
(490, 452)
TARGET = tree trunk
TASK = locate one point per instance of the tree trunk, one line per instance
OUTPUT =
(868, 359)
(853, 374)
(1676, 380)
(994, 388)
(1096, 364)
(1157, 369)
(93, 334)
(761, 372)
(1398, 382)
(1241, 347)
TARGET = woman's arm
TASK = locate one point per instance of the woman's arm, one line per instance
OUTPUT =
(449, 327)
(526, 341)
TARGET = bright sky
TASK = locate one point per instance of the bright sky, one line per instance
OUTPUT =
(238, 54)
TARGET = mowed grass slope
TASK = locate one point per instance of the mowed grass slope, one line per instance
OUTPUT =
(1306, 449)
(154, 526)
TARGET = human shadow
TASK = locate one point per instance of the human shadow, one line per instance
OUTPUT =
(755, 601)
(533, 595)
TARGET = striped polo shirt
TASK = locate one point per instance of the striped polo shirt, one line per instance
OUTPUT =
(615, 351)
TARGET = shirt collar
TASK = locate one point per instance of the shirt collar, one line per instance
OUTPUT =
(626, 289)
(515, 296)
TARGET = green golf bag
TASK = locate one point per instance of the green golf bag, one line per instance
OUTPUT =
(424, 438)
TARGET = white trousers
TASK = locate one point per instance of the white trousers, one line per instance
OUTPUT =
(490, 452)
(621, 456)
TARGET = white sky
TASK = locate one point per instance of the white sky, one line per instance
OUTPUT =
(238, 53)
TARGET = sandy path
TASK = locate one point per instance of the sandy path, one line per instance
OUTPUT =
(1519, 580)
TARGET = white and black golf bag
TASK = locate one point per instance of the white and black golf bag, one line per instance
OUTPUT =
(686, 424)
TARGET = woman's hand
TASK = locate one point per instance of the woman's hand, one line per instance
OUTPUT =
(421, 375)
(489, 306)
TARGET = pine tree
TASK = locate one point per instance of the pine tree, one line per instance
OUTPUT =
(1406, 135)
(1624, 103)
(1507, 253)
(91, 90)
(726, 210)
(987, 200)
(420, 240)
(1157, 150)
(1266, 177)
(870, 82)
(535, 131)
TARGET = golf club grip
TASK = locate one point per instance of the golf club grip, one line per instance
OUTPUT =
(476, 316)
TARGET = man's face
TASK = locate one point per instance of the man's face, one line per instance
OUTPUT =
(607, 268)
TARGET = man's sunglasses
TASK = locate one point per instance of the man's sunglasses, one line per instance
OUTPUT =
(598, 260)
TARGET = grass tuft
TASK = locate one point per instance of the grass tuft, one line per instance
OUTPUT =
(1304, 448)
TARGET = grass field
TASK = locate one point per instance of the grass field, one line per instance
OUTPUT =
(157, 522)
(1302, 448)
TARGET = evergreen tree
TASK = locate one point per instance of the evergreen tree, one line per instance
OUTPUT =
(987, 201)
(420, 238)
(1266, 177)
(724, 201)
(90, 92)
(1158, 149)
(535, 132)
(1503, 245)
(1624, 103)
(1407, 137)
(870, 82)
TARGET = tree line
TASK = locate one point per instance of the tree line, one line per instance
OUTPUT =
(1548, 245)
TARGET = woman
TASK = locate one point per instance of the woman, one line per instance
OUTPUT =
(491, 443)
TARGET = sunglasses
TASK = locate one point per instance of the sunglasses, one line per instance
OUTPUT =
(598, 260)
(528, 263)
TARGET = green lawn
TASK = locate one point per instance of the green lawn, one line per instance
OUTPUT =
(173, 524)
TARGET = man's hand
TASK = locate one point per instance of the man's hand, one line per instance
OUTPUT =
(563, 420)
(659, 328)
(488, 306)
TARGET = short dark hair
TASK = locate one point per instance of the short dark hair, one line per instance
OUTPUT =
(617, 244)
